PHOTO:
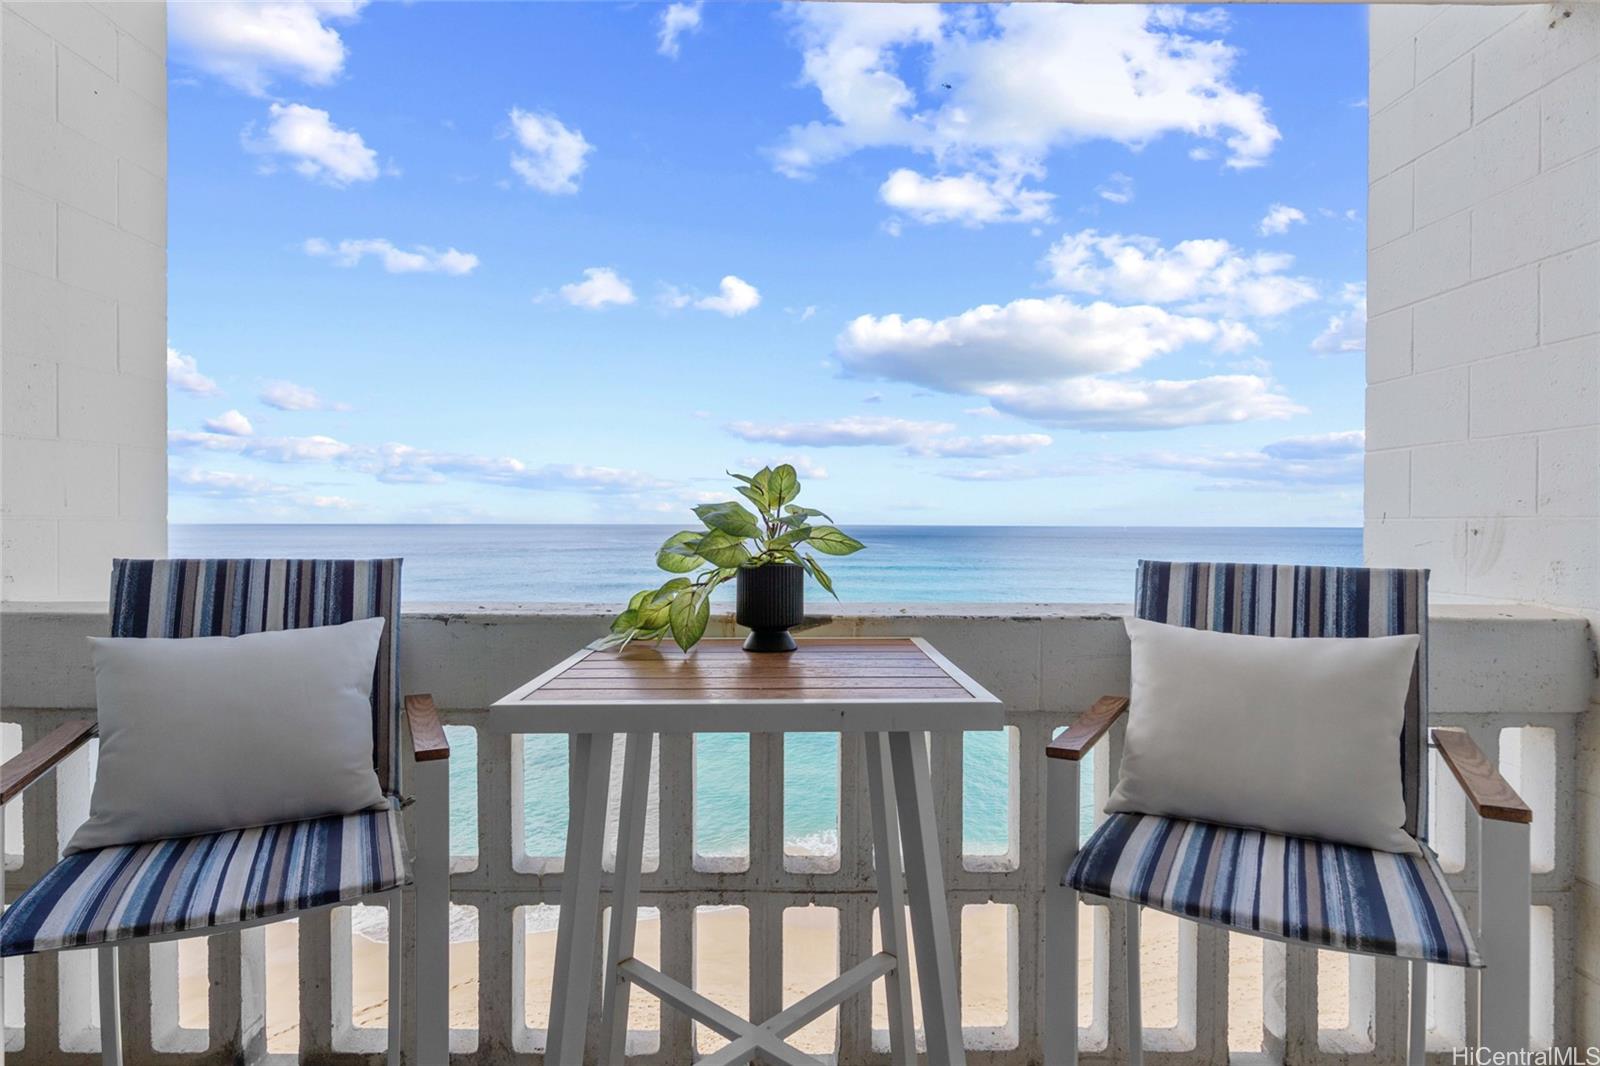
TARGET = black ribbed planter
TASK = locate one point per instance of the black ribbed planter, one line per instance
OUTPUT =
(768, 600)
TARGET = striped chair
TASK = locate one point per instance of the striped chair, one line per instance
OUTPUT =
(193, 886)
(1330, 896)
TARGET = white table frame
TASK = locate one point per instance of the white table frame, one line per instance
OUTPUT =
(894, 732)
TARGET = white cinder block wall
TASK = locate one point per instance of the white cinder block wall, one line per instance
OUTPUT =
(83, 303)
(1483, 347)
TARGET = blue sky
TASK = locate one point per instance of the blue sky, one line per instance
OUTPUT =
(569, 262)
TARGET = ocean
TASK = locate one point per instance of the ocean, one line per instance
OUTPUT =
(605, 564)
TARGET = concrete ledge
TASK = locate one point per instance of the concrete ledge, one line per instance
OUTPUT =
(1486, 659)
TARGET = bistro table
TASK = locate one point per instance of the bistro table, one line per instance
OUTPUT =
(891, 691)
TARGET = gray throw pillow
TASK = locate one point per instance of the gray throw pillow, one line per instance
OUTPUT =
(203, 734)
(1294, 735)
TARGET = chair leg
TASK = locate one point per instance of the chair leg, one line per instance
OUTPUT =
(1060, 1005)
(1417, 1035)
(1135, 1018)
(1505, 891)
(396, 1004)
(428, 1002)
(110, 1009)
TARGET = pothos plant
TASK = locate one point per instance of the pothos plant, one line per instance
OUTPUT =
(778, 531)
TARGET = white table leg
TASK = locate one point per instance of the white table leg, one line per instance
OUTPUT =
(589, 775)
(891, 899)
(625, 895)
(930, 917)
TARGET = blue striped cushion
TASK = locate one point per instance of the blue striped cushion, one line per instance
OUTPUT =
(229, 597)
(205, 882)
(1328, 895)
(1266, 600)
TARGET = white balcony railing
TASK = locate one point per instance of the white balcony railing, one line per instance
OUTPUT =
(1516, 678)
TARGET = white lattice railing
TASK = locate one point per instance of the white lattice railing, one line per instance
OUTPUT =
(1515, 678)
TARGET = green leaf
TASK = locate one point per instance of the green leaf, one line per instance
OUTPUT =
(795, 511)
(830, 540)
(783, 486)
(820, 574)
(626, 620)
(791, 538)
(677, 554)
(690, 613)
(654, 616)
(754, 497)
(730, 517)
(723, 549)
(665, 593)
(761, 482)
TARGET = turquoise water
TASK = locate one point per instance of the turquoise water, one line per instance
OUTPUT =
(606, 564)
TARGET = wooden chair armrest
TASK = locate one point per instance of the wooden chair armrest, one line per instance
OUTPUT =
(1490, 794)
(1086, 729)
(428, 741)
(40, 757)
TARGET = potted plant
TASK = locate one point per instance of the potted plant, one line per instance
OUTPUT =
(764, 551)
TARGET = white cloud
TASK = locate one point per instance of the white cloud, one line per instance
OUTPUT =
(1318, 461)
(403, 463)
(673, 298)
(1029, 340)
(1199, 276)
(735, 297)
(1059, 363)
(421, 259)
(1279, 218)
(804, 465)
(406, 464)
(601, 287)
(1346, 330)
(248, 45)
(232, 423)
(552, 157)
(969, 199)
(315, 147)
(676, 20)
(841, 432)
(1105, 404)
(1013, 473)
(1117, 189)
(988, 446)
(1004, 87)
(287, 396)
(184, 374)
(230, 485)
(310, 449)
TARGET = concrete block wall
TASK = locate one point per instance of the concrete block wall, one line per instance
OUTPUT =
(1483, 359)
(83, 293)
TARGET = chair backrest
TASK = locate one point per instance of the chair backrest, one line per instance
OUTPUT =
(230, 597)
(1262, 599)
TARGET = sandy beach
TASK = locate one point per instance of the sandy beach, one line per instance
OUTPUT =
(810, 960)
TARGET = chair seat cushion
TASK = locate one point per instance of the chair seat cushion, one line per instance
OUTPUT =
(205, 882)
(1336, 896)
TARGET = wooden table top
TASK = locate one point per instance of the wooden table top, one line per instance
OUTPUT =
(830, 684)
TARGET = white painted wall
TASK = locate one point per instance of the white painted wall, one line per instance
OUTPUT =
(83, 303)
(1483, 357)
